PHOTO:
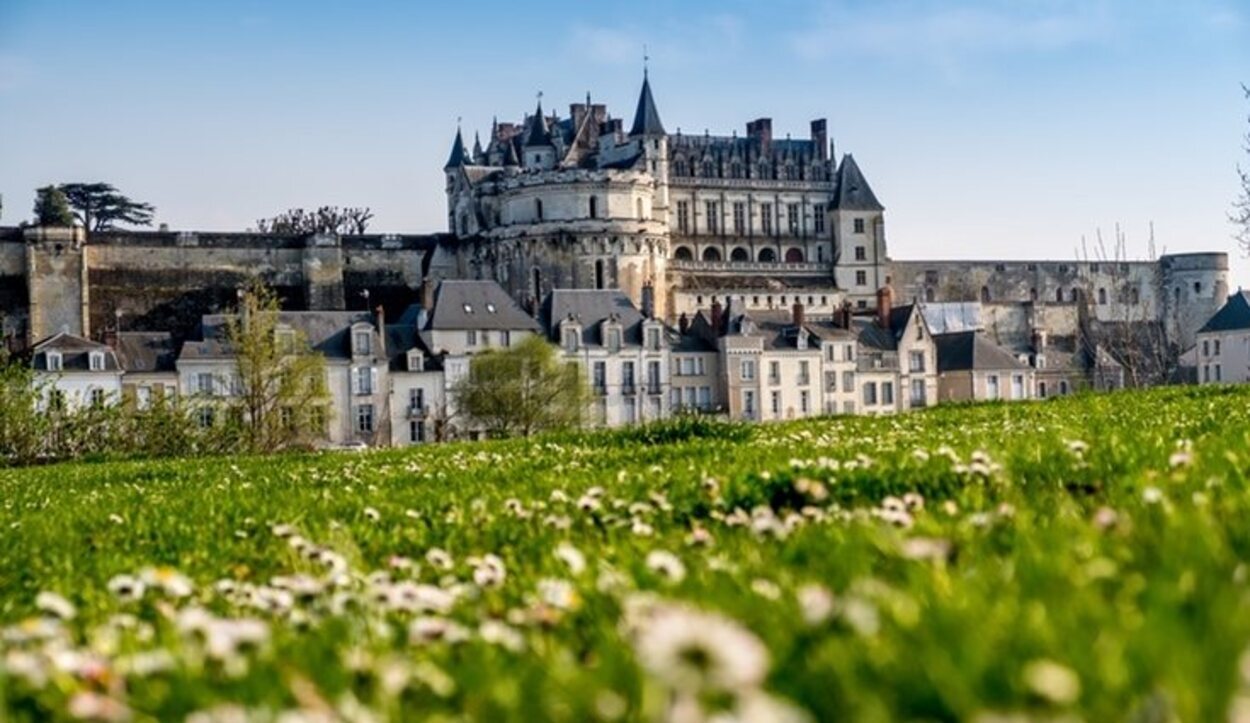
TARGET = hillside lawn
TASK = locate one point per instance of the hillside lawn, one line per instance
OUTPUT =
(1075, 559)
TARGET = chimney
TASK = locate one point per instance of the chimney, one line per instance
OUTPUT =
(844, 315)
(761, 131)
(110, 338)
(885, 299)
(648, 301)
(799, 316)
(380, 315)
(820, 138)
(683, 323)
(716, 317)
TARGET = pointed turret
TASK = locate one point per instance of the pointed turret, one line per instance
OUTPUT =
(510, 157)
(646, 117)
(536, 134)
(478, 154)
(458, 153)
(853, 192)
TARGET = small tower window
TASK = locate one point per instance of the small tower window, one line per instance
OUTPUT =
(594, 207)
(599, 276)
(538, 208)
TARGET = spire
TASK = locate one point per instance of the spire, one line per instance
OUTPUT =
(646, 117)
(510, 157)
(536, 134)
(852, 192)
(477, 147)
(458, 152)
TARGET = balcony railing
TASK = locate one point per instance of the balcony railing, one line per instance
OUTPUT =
(738, 267)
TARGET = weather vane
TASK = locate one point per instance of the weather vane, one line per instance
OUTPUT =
(645, 59)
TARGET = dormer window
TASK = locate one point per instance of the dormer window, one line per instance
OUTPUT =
(286, 340)
(95, 361)
(570, 339)
(490, 308)
(416, 360)
(362, 342)
(653, 339)
(614, 340)
(468, 308)
(54, 361)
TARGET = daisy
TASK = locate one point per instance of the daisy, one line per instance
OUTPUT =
(168, 580)
(55, 605)
(694, 650)
(439, 559)
(557, 593)
(571, 556)
(815, 603)
(667, 565)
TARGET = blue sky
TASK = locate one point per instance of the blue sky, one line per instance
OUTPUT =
(989, 128)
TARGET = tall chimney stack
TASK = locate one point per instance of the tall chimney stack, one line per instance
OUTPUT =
(820, 138)
(717, 311)
(380, 315)
(885, 299)
(683, 323)
(648, 300)
(799, 316)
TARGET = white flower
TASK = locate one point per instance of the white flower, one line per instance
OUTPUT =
(1152, 495)
(667, 565)
(499, 633)
(439, 559)
(815, 603)
(557, 593)
(428, 629)
(1182, 458)
(765, 588)
(372, 514)
(86, 705)
(282, 530)
(168, 580)
(1052, 681)
(693, 650)
(926, 548)
(571, 556)
(641, 529)
(55, 605)
(489, 571)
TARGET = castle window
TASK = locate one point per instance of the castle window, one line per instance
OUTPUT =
(739, 254)
(767, 256)
(683, 254)
(740, 214)
(599, 280)
(928, 294)
(735, 170)
(1073, 295)
(1134, 296)
(794, 256)
(708, 169)
(861, 253)
(818, 218)
(713, 217)
(679, 168)
(859, 225)
(638, 204)
(1059, 295)
(861, 279)
(594, 207)
(1197, 287)
(1032, 294)
(794, 218)
(683, 216)
(538, 208)
(1102, 296)
(766, 218)
(985, 294)
(711, 253)
(765, 171)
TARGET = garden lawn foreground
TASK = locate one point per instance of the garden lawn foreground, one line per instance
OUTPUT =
(1078, 559)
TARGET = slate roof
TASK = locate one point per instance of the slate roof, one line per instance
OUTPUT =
(75, 351)
(146, 351)
(775, 328)
(873, 336)
(328, 332)
(646, 116)
(458, 153)
(852, 192)
(591, 307)
(477, 305)
(1232, 316)
(402, 338)
(952, 316)
(968, 351)
(536, 132)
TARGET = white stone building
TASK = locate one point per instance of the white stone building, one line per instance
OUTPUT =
(1223, 343)
(76, 372)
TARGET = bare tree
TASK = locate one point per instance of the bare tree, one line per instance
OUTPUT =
(327, 219)
(1240, 215)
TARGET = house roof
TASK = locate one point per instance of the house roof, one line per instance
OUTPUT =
(1233, 315)
(968, 350)
(952, 316)
(75, 353)
(536, 132)
(853, 192)
(874, 336)
(327, 332)
(146, 351)
(591, 308)
(402, 338)
(458, 153)
(477, 305)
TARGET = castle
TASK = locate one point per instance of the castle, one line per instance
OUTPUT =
(583, 202)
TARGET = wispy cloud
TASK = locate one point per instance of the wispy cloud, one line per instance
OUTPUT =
(947, 34)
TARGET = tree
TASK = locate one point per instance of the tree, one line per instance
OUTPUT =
(281, 398)
(327, 219)
(100, 206)
(23, 428)
(522, 390)
(1241, 208)
(52, 207)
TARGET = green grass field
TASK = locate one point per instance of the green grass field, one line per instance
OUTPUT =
(1080, 559)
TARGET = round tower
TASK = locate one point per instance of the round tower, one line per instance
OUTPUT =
(1193, 287)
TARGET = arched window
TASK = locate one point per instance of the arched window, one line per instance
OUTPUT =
(928, 294)
(708, 169)
(1032, 294)
(1134, 296)
(739, 254)
(794, 256)
(711, 253)
(765, 171)
(1073, 295)
(679, 167)
(683, 254)
(1102, 296)
(599, 280)
(538, 208)
(735, 169)
(985, 294)
(767, 256)
(594, 207)
(1059, 295)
